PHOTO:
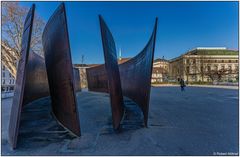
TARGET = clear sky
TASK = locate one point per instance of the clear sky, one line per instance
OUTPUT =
(181, 26)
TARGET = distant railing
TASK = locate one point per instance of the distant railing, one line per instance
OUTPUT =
(226, 83)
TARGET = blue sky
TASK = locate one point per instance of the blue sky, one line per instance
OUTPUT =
(181, 26)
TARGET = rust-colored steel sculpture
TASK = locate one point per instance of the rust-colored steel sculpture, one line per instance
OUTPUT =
(135, 74)
(20, 80)
(36, 85)
(59, 70)
(97, 79)
(114, 82)
(77, 82)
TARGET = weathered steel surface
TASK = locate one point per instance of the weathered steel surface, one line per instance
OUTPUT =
(114, 82)
(97, 79)
(36, 85)
(136, 75)
(60, 71)
(20, 80)
(77, 82)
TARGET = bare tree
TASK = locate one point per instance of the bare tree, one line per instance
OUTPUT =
(217, 75)
(201, 68)
(13, 16)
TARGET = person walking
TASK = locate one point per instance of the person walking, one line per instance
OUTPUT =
(182, 84)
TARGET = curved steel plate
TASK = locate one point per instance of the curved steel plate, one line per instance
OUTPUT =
(60, 71)
(114, 82)
(36, 85)
(77, 82)
(20, 80)
(97, 79)
(136, 75)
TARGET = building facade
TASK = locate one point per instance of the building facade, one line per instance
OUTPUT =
(206, 65)
(160, 70)
(197, 65)
(8, 82)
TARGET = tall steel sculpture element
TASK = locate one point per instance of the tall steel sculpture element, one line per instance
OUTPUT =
(114, 82)
(135, 74)
(77, 82)
(60, 71)
(20, 80)
(36, 85)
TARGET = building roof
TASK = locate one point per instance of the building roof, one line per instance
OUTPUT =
(122, 60)
(80, 65)
(207, 51)
(212, 52)
(93, 65)
(160, 60)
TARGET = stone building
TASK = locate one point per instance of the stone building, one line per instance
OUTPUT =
(8, 82)
(160, 70)
(205, 64)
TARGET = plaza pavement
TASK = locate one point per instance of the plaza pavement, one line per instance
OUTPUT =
(198, 121)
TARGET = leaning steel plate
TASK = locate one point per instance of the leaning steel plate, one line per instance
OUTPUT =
(20, 80)
(136, 75)
(114, 82)
(60, 72)
(77, 82)
(36, 85)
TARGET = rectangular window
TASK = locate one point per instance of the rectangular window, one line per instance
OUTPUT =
(209, 68)
(230, 68)
(188, 69)
(3, 74)
(194, 61)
